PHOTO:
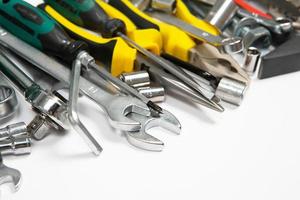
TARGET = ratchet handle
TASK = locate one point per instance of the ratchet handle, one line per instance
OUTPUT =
(36, 28)
(112, 50)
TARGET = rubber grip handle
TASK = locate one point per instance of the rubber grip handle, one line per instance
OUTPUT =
(139, 20)
(35, 27)
(84, 13)
(108, 51)
(183, 13)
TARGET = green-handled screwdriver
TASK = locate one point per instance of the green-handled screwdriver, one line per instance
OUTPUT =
(90, 15)
(35, 27)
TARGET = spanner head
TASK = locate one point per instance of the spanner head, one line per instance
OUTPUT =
(142, 139)
(120, 107)
(9, 176)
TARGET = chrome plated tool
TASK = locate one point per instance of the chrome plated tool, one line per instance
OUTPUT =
(52, 109)
(117, 106)
(8, 102)
(225, 45)
(9, 176)
(13, 131)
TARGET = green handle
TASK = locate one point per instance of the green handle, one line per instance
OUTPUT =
(88, 14)
(35, 27)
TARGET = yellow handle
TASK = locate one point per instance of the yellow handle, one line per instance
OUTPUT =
(183, 13)
(175, 42)
(149, 39)
(120, 62)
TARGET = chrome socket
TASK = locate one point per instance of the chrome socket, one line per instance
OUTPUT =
(8, 102)
(16, 146)
(155, 94)
(13, 131)
(231, 91)
(136, 79)
(252, 61)
(222, 13)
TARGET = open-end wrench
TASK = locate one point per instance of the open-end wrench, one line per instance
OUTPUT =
(9, 176)
(117, 106)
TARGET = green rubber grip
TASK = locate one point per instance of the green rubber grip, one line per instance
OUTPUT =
(35, 27)
(90, 15)
(85, 13)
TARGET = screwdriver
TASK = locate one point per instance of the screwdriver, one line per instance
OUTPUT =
(176, 43)
(89, 14)
(36, 28)
(140, 62)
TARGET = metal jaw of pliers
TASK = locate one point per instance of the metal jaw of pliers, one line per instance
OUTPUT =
(116, 106)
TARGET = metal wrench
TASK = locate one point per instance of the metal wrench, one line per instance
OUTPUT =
(41, 101)
(9, 175)
(117, 106)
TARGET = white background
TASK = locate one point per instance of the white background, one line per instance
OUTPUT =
(250, 152)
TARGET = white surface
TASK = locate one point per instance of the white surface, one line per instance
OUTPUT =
(251, 152)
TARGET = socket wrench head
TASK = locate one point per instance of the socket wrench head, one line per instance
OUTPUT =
(8, 102)
(155, 94)
(252, 61)
(16, 146)
(136, 79)
(231, 91)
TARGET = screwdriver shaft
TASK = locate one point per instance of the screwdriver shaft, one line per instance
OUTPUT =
(176, 71)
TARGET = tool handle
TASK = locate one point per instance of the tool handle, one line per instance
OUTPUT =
(175, 42)
(140, 20)
(11, 67)
(183, 13)
(36, 28)
(245, 5)
(112, 50)
(88, 14)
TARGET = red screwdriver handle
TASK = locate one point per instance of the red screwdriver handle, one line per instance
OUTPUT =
(245, 5)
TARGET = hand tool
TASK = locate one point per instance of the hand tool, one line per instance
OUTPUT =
(140, 61)
(246, 6)
(16, 146)
(117, 28)
(13, 131)
(142, 139)
(136, 79)
(198, 9)
(284, 59)
(156, 94)
(8, 102)
(33, 22)
(116, 106)
(164, 5)
(253, 34)
(222, 13)
(52, 108)
(225, 45)
(286, 8)
(213, 87)
(279, 29)
(185, 48)
(252, 61)
(9, 176)
(75, 31)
